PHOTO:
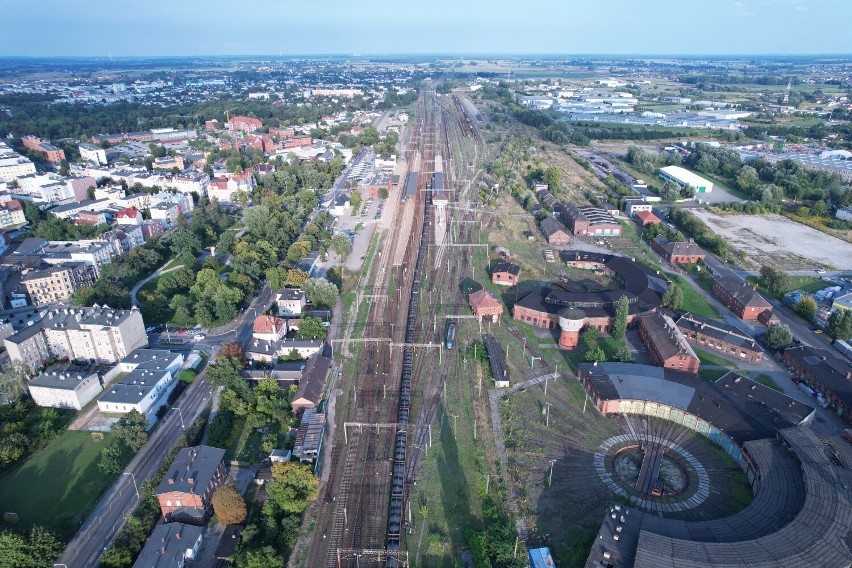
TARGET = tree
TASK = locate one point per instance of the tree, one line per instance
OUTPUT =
(224, 371)
(341, 245)
(590, 336)
(39, 548)
(383, 193)
(296, 277)
(232, 350)
(187, 376)
(623, 354)
(773, 280)
(806, 307)
(64, 169)
(112, 459)
(277, 277)
(225, 245)
(311, 328)
(778, 336)
(594, 353)
(131, 429)
(292, 487)
(263, 558)
(14, 377)
(229, 505)
(673, 298)
(184, 241)
(321, 292)
(355, 200)
(840, 324)
(621, 318)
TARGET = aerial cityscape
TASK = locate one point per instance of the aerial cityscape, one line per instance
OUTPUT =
(484, 286)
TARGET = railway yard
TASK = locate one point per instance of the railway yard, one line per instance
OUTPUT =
(394, 366)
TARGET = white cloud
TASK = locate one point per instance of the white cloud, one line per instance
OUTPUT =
(743, 9)
(800, 8)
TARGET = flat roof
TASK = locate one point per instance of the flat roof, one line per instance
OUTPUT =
(65, 376)
(134, 387)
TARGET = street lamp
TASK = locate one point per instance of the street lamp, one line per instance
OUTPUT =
(133, 477)
(180, 413)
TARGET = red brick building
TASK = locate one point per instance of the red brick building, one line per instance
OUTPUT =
(715, 335)
(678, 252)
(244, 124)
(185, 492)
(505, 273)
(666, 345)
(297, 141)
(49, 152)
(554, 232)
(828, 375)
(283, 132)
(590, 221)
(485, 306)
(382, 180)
(740, 298)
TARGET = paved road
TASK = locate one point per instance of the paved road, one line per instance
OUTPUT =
(96, 534)
(159, 272)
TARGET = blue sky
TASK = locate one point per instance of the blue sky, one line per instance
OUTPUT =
(218, 27)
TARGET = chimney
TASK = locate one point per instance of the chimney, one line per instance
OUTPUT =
(162, 550)
(848, 375)
(171, 481)
(177, 535)
(190, 480)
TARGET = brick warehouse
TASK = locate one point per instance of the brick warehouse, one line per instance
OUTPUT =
(740, 298)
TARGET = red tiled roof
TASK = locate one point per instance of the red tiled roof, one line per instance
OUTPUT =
(483, 299)
(268, 324)
(647, 217)
(129, 213)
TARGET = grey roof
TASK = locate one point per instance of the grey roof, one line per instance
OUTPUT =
(65, 376)
(665, 336)
(741, 408)
(151, 359)
(228, 543)
(192, 471)
(73, 206)
(823, 364)
(313, 379)
(30, 244)
(166, 546)
(506, 267)
(744, 294)
(291, 294)
(549, 226)
(134, 387)
(718, 330)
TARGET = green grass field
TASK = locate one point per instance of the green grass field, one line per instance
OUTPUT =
(712, 374)
(808, 284)
(58, 486)
(693, 301)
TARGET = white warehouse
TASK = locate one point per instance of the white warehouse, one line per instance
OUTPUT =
(684, 177)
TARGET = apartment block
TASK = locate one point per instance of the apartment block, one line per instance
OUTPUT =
(56, 283)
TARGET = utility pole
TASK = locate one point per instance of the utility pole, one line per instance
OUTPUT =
(455, 418)
(550, 479)
(547, 416)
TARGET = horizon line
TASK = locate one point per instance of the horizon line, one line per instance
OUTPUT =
(433, 54)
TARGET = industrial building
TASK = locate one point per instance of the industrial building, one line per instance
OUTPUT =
(684, 177)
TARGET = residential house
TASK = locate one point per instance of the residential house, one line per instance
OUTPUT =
(340, 205)
(56, 283)
(49, 152)
(12, 214)
(151, 375)
(100, 334)
(269, 328)
(187, 488)
(244, 124)
(633, 205)
(172, 545)
(312, 384)
(290, 302)
(129, 216)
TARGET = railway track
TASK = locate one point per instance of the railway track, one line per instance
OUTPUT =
(364, 501)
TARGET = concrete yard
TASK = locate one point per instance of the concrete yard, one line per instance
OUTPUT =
(779, 241)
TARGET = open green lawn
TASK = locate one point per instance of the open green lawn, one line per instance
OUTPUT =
(809, 284)
(59, 485)
(693, 301)
(708, 358)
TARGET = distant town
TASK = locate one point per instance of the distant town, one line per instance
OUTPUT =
(361, 311)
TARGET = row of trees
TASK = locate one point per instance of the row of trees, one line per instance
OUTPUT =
(692, 226)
